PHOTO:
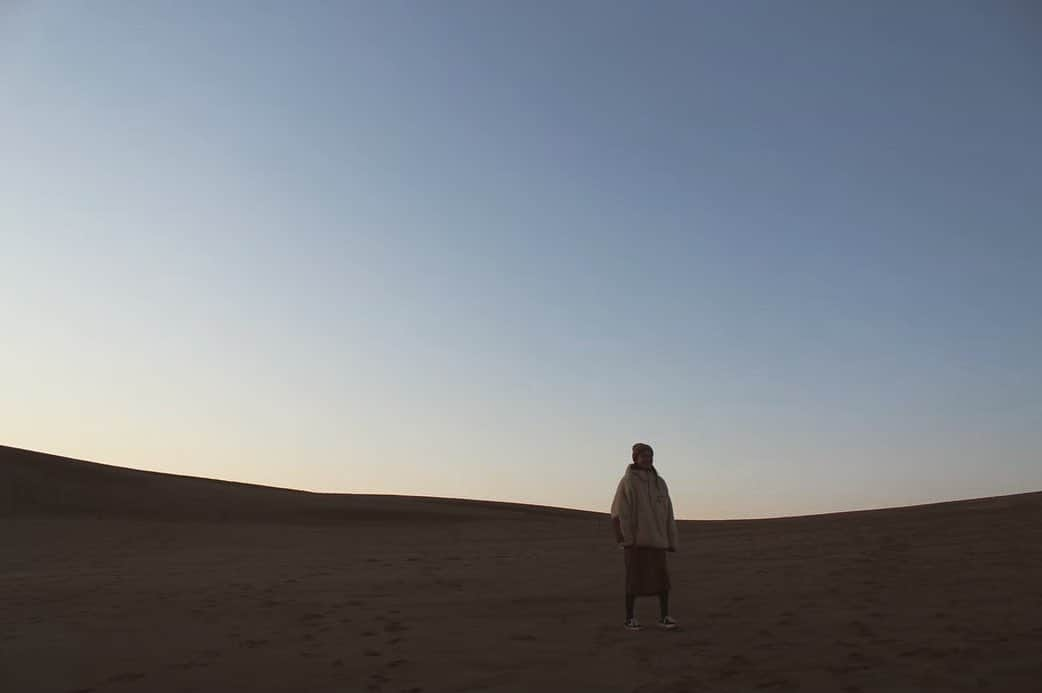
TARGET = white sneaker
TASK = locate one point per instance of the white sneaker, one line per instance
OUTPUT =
(668, 623)
(632, 624)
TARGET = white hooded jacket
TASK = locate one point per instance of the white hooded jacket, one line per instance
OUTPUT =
(645, 510)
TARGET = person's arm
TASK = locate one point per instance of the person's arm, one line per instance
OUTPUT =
(620, 512)
(672, 528)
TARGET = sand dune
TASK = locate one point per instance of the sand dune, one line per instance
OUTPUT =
(36, 484)
(120, 580)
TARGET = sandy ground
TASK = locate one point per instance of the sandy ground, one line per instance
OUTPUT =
(113, 580)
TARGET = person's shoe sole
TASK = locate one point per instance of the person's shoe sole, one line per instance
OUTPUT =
(668, 626)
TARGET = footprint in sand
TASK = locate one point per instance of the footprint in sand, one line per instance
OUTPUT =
(777, 683)
(377, 681)
(698, 642)
(862, 629)
(395, 627)
(735, 665)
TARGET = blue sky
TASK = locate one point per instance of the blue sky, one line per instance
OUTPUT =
(478, 249)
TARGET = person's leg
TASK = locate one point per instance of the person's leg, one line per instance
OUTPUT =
(630, 602)
(663, 604)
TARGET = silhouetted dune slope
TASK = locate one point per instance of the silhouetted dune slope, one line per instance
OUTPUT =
(35, 483)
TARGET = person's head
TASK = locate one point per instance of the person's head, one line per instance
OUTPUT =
(643, 455)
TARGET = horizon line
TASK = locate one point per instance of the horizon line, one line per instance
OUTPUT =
(514, 502)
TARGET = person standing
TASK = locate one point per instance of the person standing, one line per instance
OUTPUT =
(645, 528)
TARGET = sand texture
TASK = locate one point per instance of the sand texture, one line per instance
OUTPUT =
(118, 580)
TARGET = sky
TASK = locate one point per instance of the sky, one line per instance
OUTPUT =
(478, 249)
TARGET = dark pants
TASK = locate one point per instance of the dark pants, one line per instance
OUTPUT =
(647, 573)
(663, 604)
